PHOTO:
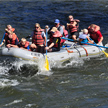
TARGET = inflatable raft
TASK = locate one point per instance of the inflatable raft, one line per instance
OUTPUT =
(67, 52)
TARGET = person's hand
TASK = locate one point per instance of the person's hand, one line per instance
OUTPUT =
(47, 48)
(98, 43)
(68, 24)
(8, 45)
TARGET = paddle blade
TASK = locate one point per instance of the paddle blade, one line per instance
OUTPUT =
(46, 64)
(106, 54)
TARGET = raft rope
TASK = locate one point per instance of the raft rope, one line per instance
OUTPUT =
(69, 51)
(78, 51)
(85, 50)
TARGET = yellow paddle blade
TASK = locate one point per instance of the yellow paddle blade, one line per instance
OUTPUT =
(46, 64)
(106, 54)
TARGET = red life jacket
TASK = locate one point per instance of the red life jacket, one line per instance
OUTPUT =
(11, 41)
(58, 34)
(13, 29)
(73, 28)
(37, 38)
(25, 46)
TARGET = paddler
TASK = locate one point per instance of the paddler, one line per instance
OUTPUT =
(95, 34)
(73, 28)
(54, 41)
(10, 39)
(84, 38)
(38, 39)
(24, 44)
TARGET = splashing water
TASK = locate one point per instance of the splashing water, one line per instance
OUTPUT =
(14, 102)
(41, 68)
(7, 82)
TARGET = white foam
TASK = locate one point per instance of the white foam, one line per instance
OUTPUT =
(4, 70)
(18, 64)
(41, 68)
(6, 82)
(14, 102)
(30, 105)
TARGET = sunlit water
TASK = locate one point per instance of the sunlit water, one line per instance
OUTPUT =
(78, 83)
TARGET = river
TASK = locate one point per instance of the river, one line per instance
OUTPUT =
(80, 83)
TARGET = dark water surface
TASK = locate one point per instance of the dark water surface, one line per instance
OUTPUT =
(76, 84)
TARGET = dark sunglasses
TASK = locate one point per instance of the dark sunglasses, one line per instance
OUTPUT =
(36, 27)
(52, 32)
(70, 18)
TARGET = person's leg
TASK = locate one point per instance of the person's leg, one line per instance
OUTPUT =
(33, 46)
(74, 37)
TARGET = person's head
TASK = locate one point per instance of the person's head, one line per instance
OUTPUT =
(71, 19)
(23, 41)
(9, 27)
(46, 27)
(85, 31)
(10, 34)
(57, 22)
(37, 27)
(53, 30)
(92, 27)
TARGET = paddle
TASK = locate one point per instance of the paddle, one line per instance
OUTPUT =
(46, 60)
(69, 39)
(84, 42)
(2, 39)
(106, 54)
(94, 45)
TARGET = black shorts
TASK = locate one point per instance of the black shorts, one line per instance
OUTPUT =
(41, 49)
(74, 33)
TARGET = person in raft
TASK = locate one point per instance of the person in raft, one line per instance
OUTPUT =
(59, 28)
(54, 41)
(84, 38)
(9, 28)
(73, 28)
(24, 44)
(46, 29)
(38, 39)
(10, 39)
(95, 34)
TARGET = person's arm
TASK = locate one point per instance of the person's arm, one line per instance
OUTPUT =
(44, 36)
(55, 40)
(89, 41)
(74, 24)
(50, 46)
(61, 30)
(100, 37)
(16, 42)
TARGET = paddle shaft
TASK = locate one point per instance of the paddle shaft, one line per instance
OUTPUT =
(46, 60)
(3, 38)
(83, 42)
(69, 39)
